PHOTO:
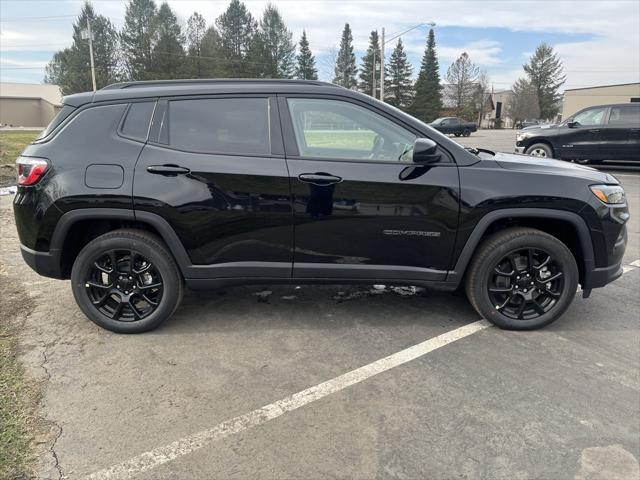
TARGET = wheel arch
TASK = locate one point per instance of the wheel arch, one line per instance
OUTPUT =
(554, 222)
(77, 227)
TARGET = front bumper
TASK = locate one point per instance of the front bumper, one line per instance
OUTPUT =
(519, 150)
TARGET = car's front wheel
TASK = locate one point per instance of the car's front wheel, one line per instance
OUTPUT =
(466, 132)
(126, 281)
(522, 278)
(539, 150)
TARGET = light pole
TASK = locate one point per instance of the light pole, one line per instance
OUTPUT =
(86, 34)
(382, 43)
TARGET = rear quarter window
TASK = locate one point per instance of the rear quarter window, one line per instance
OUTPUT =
(60, 117)
(237, 126)
(137, 120)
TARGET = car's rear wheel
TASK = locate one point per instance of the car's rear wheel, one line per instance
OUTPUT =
(126, 281)
(466, 132)
(522, 278)
(540, 150)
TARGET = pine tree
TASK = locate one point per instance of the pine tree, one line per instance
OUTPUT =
(345, 68)
(369, 71)
(427, 102)
(71, 69)
(212, 61)
(138, 38)
(306, 69)
(196, 30)
(277, 48)
(168, 52)
(545, 72)
(237, 30)
(398, 85)
(462, 76)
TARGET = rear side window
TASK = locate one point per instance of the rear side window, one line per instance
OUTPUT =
(136, 123)
(625, 115)
(237, 126)
(60, 117)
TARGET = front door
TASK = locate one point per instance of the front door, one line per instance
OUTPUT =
(214, 169)
(583, 140)
(362, 208)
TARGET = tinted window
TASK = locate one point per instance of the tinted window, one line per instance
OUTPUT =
(136, 124)
(225, 125)
(625, 115)
(593, 116)
(62, 114)
(337, 129)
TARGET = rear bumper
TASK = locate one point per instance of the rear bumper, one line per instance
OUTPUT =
(46, 264)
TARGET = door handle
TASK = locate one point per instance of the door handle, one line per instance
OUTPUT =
(321, 179)
(167, 169)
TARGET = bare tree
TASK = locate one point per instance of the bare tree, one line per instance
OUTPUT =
(462, 76)
(524, 103)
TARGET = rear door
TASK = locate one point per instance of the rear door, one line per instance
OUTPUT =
(622, 133)
(362, 208)
(214, 170)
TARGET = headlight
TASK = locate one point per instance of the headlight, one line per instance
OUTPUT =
(521, 136)
(609, 194)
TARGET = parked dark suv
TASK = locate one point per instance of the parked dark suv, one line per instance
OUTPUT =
(594, 134)
(139, 189)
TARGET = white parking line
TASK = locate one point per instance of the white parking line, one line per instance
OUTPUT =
(631, 266)
(158, 456)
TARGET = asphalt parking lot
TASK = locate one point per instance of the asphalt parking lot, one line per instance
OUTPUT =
(470, 401)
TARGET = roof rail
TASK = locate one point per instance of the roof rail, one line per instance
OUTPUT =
(208, 81)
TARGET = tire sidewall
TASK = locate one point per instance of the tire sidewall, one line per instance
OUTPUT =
(171, 288)
(542, 146)
(560, 253)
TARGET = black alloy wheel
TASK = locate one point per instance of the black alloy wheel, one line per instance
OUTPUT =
(127, 281)
(522, 278)
(124, 285)
(526, 284)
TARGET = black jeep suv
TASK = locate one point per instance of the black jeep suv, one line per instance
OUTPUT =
(139, 189)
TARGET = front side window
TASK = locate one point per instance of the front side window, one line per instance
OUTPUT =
(590, 117)
(341, 130)
(624, 115)
(237, 126)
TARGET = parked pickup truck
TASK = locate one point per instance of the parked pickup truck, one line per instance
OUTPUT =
(454, 125)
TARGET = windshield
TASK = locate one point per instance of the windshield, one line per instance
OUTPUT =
(63, 113)
(438, 120)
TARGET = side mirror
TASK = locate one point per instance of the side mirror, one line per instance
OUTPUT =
(572, 124)
(425, 150)
(443, 123)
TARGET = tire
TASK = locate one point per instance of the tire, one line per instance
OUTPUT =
(457, 134)
(540, 150)
(487, 271)
(151, 284)
(466, 133)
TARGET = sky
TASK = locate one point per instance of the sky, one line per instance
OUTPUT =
(597, 40)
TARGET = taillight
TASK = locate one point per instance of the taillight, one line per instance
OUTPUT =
(30, 170)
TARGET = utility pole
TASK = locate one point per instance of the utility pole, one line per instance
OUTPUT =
(373, 75)
(86, 34)
(381, 68)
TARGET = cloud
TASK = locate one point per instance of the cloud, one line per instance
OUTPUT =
(611, 54)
